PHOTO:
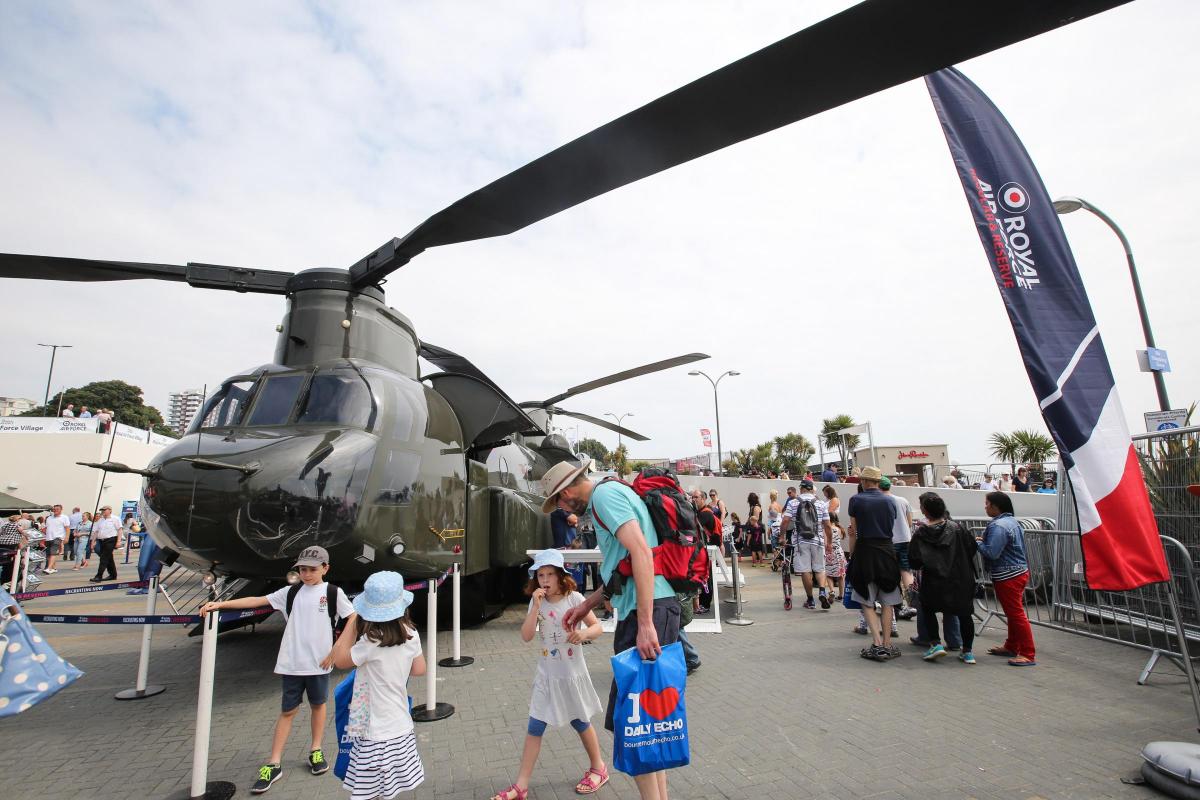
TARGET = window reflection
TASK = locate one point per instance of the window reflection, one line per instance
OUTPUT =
(275, 400)
(227, 406)
(338, 398)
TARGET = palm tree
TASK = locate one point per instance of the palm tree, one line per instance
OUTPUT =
(1035, 448)
(795, 451)
(829, 435)
(1006, 448)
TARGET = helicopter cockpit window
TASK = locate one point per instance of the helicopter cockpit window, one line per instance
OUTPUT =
(340, 397)
(227, 407)
(275, 400)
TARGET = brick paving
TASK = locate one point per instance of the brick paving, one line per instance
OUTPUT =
(784, 708)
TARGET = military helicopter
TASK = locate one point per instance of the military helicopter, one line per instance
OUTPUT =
(340, 441)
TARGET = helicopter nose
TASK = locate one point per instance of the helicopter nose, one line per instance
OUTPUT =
(276, 494)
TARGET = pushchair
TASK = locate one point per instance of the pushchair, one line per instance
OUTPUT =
(782, 562)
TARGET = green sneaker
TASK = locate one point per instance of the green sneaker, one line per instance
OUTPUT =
(267, 775)
(317, 764)
(967, 657)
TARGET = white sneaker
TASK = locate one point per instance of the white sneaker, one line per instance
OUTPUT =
(49, 571)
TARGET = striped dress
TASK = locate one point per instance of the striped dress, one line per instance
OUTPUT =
(383, 769)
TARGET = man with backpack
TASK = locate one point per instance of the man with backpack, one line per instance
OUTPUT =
(647, 611)
(807, 520)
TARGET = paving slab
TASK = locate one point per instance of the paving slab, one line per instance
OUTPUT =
(782, 708)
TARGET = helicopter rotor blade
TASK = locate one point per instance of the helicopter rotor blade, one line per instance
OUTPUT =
(204, 276)
(865, 49)
(449, 361)
(602, 423)
(617, 377)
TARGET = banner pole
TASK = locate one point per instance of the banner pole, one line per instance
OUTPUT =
(17, 558)
(457, 660)
(140, 689)
(1181, 636)
(433, 710)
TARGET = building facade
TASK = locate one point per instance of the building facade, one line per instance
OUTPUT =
(181, 407)
(15, 406)
(928, 463)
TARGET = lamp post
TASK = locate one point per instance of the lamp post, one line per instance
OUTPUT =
(50, 377)
(717, 409)
(618, 419)
(1066, 205)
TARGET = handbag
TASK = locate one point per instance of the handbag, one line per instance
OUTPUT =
(650, 718)
(30, 670)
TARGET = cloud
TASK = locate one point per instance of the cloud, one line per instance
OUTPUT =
(832, 262)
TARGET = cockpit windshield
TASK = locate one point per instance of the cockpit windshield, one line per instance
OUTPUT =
(276, 400)
(227, 407)
(338, 397)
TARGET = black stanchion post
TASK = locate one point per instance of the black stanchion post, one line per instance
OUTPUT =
(433, 710)
(140, 689)
(458, 659)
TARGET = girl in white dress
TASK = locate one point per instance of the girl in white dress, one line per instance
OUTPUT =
(562, 689)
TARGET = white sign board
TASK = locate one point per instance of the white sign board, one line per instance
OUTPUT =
(1165, 420)
(47, 425)
(131, 433)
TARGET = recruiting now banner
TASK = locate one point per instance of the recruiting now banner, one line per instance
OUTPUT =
(1057, 335)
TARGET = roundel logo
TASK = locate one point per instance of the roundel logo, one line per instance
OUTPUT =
(1014, 197)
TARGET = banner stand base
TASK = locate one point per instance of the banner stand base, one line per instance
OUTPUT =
(213, 790)
(440, 711)
(738, 621)
(134, 694)
(463, 661)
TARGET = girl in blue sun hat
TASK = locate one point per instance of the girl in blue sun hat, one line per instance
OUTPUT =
(562, 689)
(384, 647)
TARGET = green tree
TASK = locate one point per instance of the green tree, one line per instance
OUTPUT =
(1035, 447)
(794, 451)
(829, 435)
(594, 449)
(124, 399)
(619, 460)
(1005, 447)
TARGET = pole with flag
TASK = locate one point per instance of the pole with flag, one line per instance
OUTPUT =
(1057, 334)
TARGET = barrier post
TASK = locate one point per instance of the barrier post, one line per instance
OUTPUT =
(433, 710)
(458, 659)
(25, 574)
(737, 618)
(140, 689)
(201, 788)
(17, 556)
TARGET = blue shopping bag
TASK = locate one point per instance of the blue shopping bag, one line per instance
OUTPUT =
(650, 719)
(847, 601)
(341, 716)
(30, 670)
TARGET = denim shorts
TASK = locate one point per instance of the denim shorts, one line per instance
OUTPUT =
(296, 686)
(902, 555)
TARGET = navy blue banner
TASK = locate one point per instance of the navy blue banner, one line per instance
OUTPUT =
(100, 587)
(142, 619)
(1057, 335)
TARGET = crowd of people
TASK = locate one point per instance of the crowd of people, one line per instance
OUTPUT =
(53, 540)
(104, 416)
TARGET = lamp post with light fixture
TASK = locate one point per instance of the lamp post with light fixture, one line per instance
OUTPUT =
(618, 419)
(50, 377)
(1067, 205)
(717, 409)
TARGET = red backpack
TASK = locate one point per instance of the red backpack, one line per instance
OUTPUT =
(680, 556)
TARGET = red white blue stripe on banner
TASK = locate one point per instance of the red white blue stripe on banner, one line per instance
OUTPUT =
(1057, 334)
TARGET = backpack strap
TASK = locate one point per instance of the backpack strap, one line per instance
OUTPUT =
(331, 594)
(293, 590)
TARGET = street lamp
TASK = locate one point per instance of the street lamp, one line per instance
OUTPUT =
(1066, 205)
(50, 377)
(717, 409)
(618, 419)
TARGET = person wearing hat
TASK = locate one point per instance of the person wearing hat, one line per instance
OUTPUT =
(645, 606)
(383, 647)
(874, 571)
(304, 662)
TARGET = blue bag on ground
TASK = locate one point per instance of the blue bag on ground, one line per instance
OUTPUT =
(341, 716)
(30, 670)
(650, 719)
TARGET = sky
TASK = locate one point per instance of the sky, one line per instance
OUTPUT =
(833, 263)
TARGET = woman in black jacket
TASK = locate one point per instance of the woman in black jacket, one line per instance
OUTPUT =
(944, 551)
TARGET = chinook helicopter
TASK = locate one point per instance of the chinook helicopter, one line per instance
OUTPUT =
(340, 440)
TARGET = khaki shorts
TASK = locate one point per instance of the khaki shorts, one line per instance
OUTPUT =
(809, 557)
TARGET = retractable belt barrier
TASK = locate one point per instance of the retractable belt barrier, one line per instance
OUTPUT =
(417, 585)
(103, 587)
(157, 619)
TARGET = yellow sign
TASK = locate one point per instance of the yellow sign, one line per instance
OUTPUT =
(448, 533)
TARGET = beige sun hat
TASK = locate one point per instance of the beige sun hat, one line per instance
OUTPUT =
(559, 477)
(871, 474)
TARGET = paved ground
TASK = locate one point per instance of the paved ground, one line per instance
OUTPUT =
(784, 708)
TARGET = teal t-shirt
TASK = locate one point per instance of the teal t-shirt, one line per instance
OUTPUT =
(612, 505)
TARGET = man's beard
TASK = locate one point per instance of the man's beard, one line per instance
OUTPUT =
(576, 505)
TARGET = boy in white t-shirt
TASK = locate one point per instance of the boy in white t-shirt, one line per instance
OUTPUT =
(304, 659)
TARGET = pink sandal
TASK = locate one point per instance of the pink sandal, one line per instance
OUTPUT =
(589, 785)
(513, 792)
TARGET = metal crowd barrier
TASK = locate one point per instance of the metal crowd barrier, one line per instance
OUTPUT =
(1159, 618)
